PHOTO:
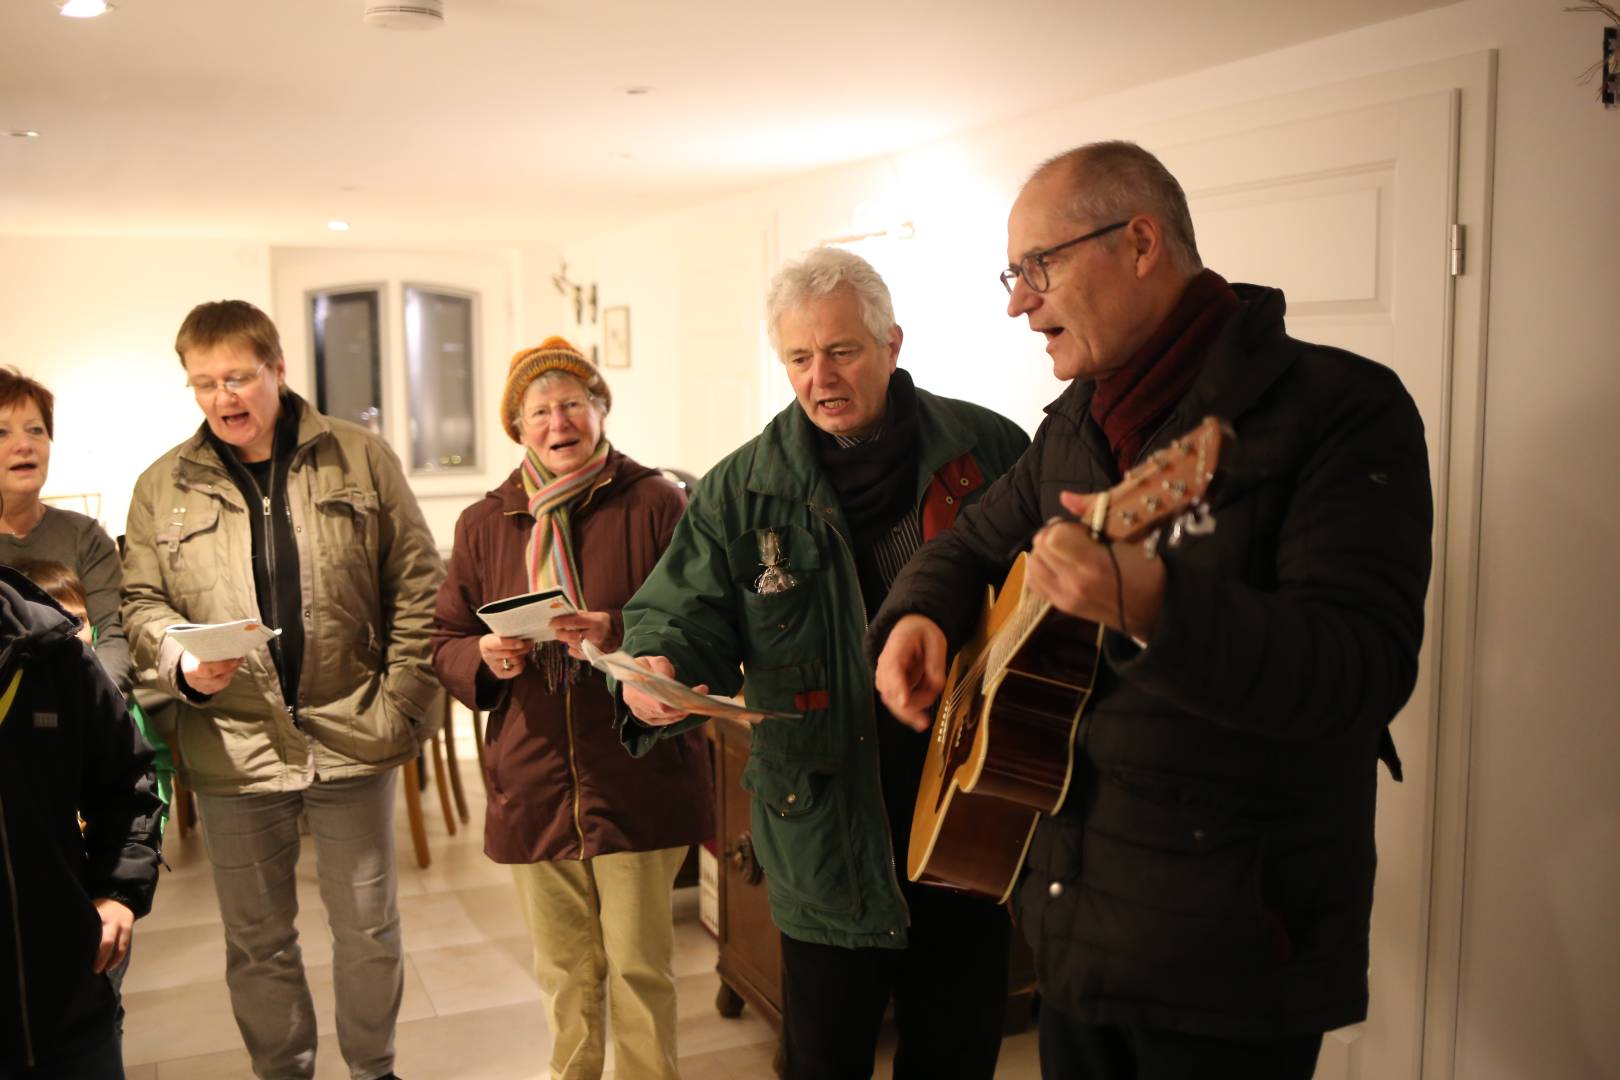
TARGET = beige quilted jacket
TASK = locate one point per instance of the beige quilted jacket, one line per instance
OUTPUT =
(368, 571)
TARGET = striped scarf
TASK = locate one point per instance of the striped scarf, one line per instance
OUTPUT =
(550, 554)
(549, 558)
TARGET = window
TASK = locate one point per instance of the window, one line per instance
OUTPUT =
(348, 354)
(440, 378)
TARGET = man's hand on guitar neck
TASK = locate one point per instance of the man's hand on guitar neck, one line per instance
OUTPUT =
(911, 670)
(1076, 575)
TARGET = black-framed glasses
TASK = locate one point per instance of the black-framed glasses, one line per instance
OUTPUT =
(1032, 267)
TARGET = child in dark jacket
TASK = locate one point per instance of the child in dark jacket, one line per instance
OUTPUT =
(68, 899)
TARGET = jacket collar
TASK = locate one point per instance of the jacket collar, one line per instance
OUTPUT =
(784, 461)
(29, 620)
(1250, 353)
(311, 426)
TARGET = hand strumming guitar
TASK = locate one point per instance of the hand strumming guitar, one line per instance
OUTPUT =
(911, 670)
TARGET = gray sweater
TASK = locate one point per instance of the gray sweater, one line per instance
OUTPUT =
(84, 547)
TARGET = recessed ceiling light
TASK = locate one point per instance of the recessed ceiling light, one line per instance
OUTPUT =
(23, 134)
(338, 226)
(84, 9)
(638, 91)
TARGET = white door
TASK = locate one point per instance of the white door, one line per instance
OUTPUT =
(1349, 214)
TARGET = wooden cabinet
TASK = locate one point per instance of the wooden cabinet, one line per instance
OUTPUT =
(750, 964)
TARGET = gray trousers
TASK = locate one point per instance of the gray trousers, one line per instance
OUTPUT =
(253, 846)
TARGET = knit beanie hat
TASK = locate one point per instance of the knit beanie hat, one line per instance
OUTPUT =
(552, 354)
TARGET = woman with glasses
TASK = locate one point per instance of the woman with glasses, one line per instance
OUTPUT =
(29, 529)
(274, 513)
(594, 836)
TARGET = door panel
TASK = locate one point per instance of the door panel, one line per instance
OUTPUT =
(1348, 214)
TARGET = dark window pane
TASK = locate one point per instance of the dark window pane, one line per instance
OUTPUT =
(348, 356)
(439, 368)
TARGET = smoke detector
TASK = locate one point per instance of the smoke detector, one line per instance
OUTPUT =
(405, 14)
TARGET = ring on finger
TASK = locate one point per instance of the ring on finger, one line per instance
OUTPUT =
(506, 664)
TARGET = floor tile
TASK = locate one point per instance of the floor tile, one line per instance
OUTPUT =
(482, 975)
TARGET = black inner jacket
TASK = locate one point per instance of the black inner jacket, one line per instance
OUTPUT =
(275, 557)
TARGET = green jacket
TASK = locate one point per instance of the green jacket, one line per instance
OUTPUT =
(819, 827)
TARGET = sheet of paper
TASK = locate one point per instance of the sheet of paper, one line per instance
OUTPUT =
(527, 616)
(222, 641)
(675, 694)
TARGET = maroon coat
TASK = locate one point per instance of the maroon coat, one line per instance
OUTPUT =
(561, 785)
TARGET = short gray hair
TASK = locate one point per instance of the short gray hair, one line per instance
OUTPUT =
(821, 271)
(1113, 180)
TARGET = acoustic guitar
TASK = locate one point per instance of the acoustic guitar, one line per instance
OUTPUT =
(1002, 747)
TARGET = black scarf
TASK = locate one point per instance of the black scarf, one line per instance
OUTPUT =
(876, 479)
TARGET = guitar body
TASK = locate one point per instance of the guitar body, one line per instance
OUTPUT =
(1001, 753)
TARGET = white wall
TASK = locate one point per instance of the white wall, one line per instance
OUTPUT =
(1541, 945)
(94, 320)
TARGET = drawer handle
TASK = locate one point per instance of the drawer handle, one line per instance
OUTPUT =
(740, 854)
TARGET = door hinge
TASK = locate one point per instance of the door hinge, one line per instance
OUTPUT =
(1457, 249)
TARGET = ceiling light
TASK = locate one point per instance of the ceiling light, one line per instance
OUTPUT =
(23, 134)
(338, 226)
(84, 9)
(638, 91)
(404, 14)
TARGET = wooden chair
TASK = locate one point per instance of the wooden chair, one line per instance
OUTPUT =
(449, 783)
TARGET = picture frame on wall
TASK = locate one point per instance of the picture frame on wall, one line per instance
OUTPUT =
(616, 336)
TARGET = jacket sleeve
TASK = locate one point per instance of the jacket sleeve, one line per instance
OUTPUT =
(457, 628)
(117, 795)
(146, 608)
(945, 578)
(409, 572)
(661, 512)
(97, 567)
(1335, 644)
(685, 611)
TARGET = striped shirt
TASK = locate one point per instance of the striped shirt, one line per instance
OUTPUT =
(905, 537)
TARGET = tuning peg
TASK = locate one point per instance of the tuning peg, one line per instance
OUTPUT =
(1201, 521)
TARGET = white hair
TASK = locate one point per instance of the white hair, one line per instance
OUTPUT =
(821, 271)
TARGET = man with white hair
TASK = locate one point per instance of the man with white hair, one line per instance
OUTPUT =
(787, 548)
(1199, 905)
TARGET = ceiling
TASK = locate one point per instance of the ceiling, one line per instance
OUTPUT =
(262, 119)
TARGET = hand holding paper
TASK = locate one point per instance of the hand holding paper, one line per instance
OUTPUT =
(666, 700)
(528, 616)
(221, 641)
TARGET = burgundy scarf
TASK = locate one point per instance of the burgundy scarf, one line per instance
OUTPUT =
(1130, 404)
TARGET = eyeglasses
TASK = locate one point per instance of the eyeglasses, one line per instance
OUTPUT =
(570, 408)
(1032, 267)
(234, 384)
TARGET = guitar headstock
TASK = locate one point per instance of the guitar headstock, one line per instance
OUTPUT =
(1168, 486)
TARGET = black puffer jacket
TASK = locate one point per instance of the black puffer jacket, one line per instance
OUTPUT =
(67, 747)
(1212, 868)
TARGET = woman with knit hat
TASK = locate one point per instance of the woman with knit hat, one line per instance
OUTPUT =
(594, 836)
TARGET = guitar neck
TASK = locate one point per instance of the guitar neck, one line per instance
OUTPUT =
(1032, 609)
(1012, 635)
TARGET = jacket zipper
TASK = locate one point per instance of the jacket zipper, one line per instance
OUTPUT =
(17, 935)
(267, 509)
(573, 769)
(894, 875)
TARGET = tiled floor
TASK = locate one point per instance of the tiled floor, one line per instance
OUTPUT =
(471, 1009)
